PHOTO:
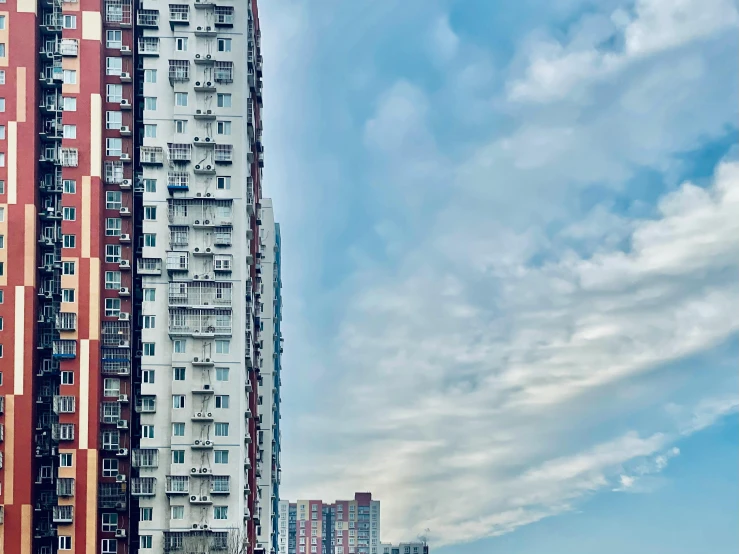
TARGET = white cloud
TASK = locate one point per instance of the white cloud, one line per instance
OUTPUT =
(444, 41)
(554, 70)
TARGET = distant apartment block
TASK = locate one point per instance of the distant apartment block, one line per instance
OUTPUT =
(343, 527)
(404, 548)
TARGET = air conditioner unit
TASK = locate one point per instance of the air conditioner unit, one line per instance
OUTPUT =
(122, 424)
(124, 263)
(209, 83)
(124, 290)
(124, 316)
(199, 414)
(125, 129)
(125, 48)
(120, 533)
(125, 156)
(209, 112)
(195, 359)
(208, 167)
(204, 498)
(206, 470)
(208, 57)
(197, 56)
(196, 249)
(196, 139)
(199, 194)
(207, 221)
(208, 443)
(193, 499)
(123, 452)
(207, 139)
(197, 83)
(126, 183)
(194, 525)
(125, 210)
(122, 398)
(206, 387)
(197, 222)
(120, 478)
(120, 505)
(198, 112)
(197, 441)
(125, 236)
(208, 195)
(125, 102)
(204, 526)
(193, 470)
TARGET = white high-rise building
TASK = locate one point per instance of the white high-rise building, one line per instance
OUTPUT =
(201, 162)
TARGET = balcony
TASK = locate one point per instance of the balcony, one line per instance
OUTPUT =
(177, 484)
(64, 349)
(151, 155)
(62, 514)
(145, 458)
(148, 18)
(69, 47)
(149, 266)
(143, 486)
(224, 16)
(179, 15)
(148, 46)
(200, 323)
(180, 152)
(220, 485)
(201, 294)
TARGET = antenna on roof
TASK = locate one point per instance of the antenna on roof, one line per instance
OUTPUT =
(423, 537)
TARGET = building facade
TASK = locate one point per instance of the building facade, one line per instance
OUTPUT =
(139, 280)
(344, 527)
(404, 548)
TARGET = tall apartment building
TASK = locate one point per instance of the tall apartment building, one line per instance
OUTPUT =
(344, 527)
(132, 283)
(268, 400)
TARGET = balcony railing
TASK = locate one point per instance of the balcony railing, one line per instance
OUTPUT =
(146, 458)
(215, 294)
(149, 266)
(200, 322)
(143, 486)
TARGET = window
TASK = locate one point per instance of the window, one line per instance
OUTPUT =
(70, 76)
(221, 374)
(180, 346)
(224, 127)
(220, 456)
(112, 253)
(224, 44)
(113, 200)
(150, 185)
(113, 66)
(110, 522)
(147, 376)
(2, 132)
(114, 93)
(109, 546)
(113, 227)
(180, 126)
(150, 131)
(2, 214)
(178, 456)
(223, 347)
(177, 512)
(69, 103)
(178, 429)
(221, 429)
(150, 213)
(111, 387)
(69, 214)
(150, 103)
(2, 156)
(65, 543)
(2, 187)
(222, 402)
(113, 120)
(146, 514)
(145, 541)
(69, 131)
(2, 242)
(178, 401)
(150, 239)
(65, 460)
(67, 377)
(150, 75)
(68, 268)
(2, 22)
(113, 147)
(224, 100)
(112, 280)
(178, 373)
(112, 307)
(2, 76)
(67, 295)
(180, 99)
(149, 321)
(147, 431)
(150, 295)
(114, 39)
(220, 512)
(180, 44)
(149, 349)
(110, 467)
(70, 186)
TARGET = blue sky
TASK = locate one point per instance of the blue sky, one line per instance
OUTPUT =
(509, 243)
